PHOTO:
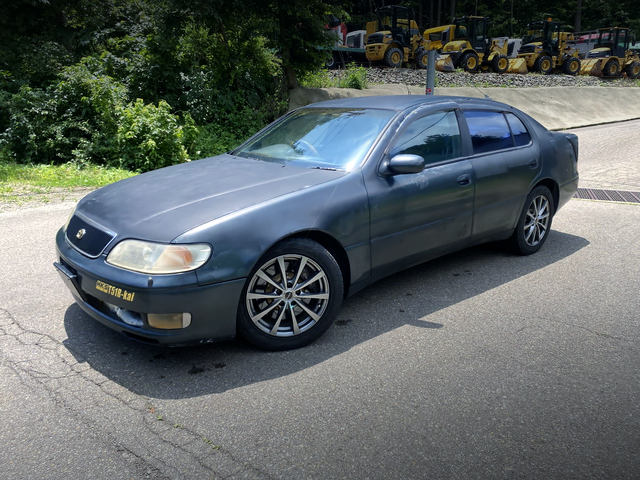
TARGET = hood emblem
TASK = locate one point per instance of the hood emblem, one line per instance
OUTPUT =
(80, 233)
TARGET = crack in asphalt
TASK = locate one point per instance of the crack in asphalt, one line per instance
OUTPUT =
(59, 367)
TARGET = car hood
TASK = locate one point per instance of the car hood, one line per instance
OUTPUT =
(165, 203)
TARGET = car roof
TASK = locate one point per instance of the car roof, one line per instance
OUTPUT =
(403, 102)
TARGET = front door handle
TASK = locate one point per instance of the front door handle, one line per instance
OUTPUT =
(464, 180)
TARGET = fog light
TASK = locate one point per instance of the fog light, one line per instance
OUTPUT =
(169, 321)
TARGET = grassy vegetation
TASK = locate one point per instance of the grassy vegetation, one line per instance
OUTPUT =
(353, 77)
(23, 183)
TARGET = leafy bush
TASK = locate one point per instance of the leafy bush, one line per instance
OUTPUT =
(319, 79)
(351, 77)
(354, 77)
(149, 137)
(84, 119)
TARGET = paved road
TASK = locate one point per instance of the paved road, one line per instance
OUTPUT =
(477, 365)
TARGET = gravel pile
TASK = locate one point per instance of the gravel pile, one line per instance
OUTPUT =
(406, 76)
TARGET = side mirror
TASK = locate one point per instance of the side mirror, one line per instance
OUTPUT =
(405, 164)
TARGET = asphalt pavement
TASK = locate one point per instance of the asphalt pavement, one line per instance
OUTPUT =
(476, 365)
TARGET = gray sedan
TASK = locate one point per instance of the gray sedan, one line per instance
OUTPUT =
(267, 240)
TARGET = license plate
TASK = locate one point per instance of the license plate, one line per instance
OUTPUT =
(71, 280)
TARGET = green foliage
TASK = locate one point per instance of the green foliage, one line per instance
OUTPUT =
(149, 137)
(70, 175)
(72, 120)
(352, 77)
(318, 79)
(84, 118)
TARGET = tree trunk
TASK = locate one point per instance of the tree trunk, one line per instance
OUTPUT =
(578, 17)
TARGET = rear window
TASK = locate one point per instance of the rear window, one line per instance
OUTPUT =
(491, 131)
(519, 131)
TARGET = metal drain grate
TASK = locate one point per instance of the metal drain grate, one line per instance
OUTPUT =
(607, 195)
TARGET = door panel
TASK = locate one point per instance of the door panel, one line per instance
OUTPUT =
(419, 216)
(506, 164)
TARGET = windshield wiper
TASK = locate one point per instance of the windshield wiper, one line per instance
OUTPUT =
(331, 169)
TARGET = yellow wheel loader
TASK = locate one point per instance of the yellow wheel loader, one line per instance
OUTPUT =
(437, 37)
(613, 56)
(547, 48)
(394, 38)
(472, 50)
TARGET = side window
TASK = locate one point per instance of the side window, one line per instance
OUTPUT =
(518, 130)
(489, 131)
(435, 137)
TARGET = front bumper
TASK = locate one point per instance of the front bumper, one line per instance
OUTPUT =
(122, 302)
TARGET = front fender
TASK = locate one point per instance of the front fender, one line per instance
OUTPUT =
(338, 208)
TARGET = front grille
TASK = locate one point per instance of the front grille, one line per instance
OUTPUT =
(375, 38)
(87, 238)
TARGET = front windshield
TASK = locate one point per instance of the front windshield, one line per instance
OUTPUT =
(335, 138)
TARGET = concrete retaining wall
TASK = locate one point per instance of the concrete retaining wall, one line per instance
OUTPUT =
(557, 108)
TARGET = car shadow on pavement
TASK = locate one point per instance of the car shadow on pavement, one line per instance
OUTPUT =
(410, 298)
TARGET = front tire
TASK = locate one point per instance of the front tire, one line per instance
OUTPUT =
(534, 223)
(291, 297)
(470, 62)
(633, 70)
(393, 57)
(571, 66)
(499, 64)
(422, 59)
(544, 65)
(611, 69)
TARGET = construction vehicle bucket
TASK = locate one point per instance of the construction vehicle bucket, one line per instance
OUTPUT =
(517, 65)
(592, 66)
(444, 63)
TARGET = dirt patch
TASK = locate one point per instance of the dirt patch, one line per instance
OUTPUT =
(15, 197)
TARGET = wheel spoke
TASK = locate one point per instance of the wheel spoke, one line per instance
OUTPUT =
(301, 265)
(263, 296)
(294, 320)
(283, 271)
(276, 325)
(311, 313)
(313, 296)
(269, 280)
(315, 278)
(259, 316)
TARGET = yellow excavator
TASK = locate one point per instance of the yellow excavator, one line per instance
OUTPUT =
(394, 38)
(472, 50)
(612, 55)
(547, 48)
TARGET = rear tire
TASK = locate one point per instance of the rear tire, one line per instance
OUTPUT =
(291, 297)
(534, 223)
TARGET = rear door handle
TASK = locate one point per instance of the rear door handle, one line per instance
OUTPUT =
(533, 163)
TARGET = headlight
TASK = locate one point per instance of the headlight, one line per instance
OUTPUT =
(156, 258)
